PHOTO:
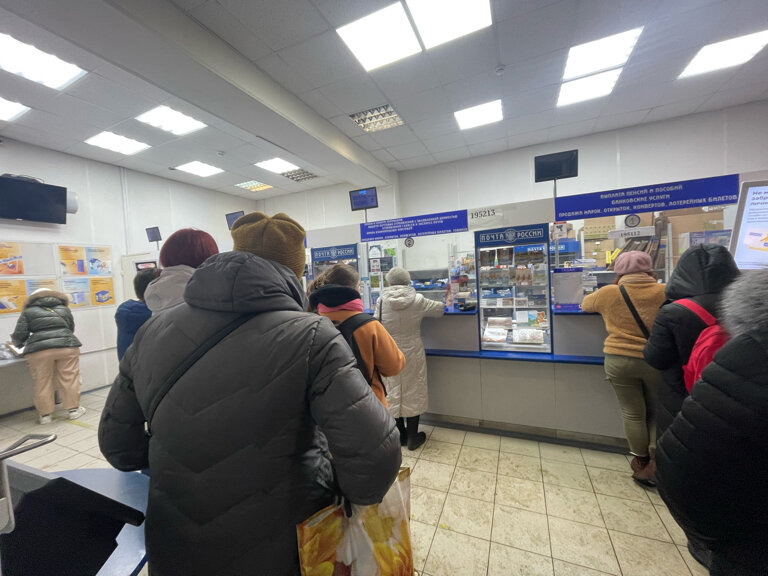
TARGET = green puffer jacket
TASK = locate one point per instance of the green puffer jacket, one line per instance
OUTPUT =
(45, 323)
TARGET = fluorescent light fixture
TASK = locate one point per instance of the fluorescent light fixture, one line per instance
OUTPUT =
(253, 186)
(277, 165)
(117, 143)
(588, 88)
(9, 111)
(600, 55)
(487, 113)
(726, 54)
(378, 118)
(27, 61)
(170, 120)
(381, 38)
(199, 169)
(299, 175)
(440, 21)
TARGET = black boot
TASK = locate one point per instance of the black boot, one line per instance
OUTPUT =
(403, 433)
(415, 438)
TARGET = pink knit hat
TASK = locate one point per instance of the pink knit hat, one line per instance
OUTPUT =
(632, 263)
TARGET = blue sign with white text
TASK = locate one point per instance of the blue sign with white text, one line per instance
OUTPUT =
(426, 225)
(513, 235)
(345, 252)
(669, 196)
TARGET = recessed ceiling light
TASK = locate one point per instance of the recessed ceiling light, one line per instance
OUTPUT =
(599, 55)
(378, 118)
(33, 64)
(117, 143)
(487, 113)
(253, 186)
(381, 38)
(588, 88)
(277, 165)
(726, 53)
(9, 111)
(299, 175)
(199, 169)
(440, 21)
(170, 120)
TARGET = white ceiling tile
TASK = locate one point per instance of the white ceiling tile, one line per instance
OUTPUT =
(474, 90)
(354, 94)
(579, 111)
(411, 150)
(418, 162)
(537, 32)
(189, 109)
(445, 142)
(621, 120)
(367, 142)
(597, 19)
(453, 155)
(410, 76)
(187, 5)
(341, 12)
(99, 154)
(110, 95)
(346, 125)
(489, 147)
(530, 123)
(466, 56)
(383, 155)
(735, 97)
(504, 9)
(36, 136)
(640, 96)
(486, 133)
(18, 89)
(285, 75)
(278, 23)
(213, 139)
(394, 136)
(528, 139)
(671, 30)
(530, 102)
(143, 132)
(675, 109)
(226, 26)
(565, 131)
(80, 111)
(60, 125)
(236, 132)
(536, 72)
(423, 105)
(320, 104)
(693, 86)
(322, 60)
(142, 165)
(132, 82)
(434, 127)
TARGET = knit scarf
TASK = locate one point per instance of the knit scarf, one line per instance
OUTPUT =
(355, 305)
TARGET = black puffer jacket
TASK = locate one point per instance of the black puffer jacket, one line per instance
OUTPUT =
(238, 454)
(45, 323)
(702, 273)
(712, 463)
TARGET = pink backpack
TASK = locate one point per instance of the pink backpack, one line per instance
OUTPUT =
(710, 340)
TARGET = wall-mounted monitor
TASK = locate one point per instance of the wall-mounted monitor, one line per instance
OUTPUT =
(363, 199)
(556, 166)
(153, 234)
(232, 216)
(144, 265)
(28, 199)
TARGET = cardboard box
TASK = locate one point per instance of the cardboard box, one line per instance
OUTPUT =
(599, 227)
(602, 245)
(686, 223)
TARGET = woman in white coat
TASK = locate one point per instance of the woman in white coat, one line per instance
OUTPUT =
(400, 309)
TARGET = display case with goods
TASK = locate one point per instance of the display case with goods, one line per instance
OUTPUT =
(513, 288)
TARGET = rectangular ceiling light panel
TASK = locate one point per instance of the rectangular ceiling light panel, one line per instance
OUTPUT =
(487, 113)
(9, 111)
(440, 21)
(588, 88)
(253, 186)
(378, 118)
(277, 165)
(28, 62)
(600, 55)
(171, 121)
(199, 169)
(299, 175)
(381, 38)
(726, 54)
(117, 143)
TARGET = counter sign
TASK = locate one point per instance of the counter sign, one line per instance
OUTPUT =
(517, 235)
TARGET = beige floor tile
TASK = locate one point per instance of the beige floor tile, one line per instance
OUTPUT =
(619, 484)
(572, 504)
(96, 463)
(95, 452)
(631, 517)
(411, 453)
(507, 561)
(695, 568)
(653, 494)
(426, 504)
(443, 452)
(566, 474)
(520, 446)
(478, 459)
(427, 429)
(453, 554)
(608, 460)
(467, 516)
(561, 453)
(521, 529)
(77, 435)
(72, 463)
(644, 557)
(473, 484)
(677, 534)
(432, 475)
(479, 440)
(566, 569)
(519, 466)
(82, 445)
(421, 540)
(582, 544)
(448, 435)
(45, 461)
(520, 494)
(145, 570)
(408, 462)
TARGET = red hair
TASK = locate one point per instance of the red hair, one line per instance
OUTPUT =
(189, 247)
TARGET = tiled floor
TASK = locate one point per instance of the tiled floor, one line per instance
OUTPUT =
(481, 504)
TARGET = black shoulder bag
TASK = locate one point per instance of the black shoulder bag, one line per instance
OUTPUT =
(632, 309)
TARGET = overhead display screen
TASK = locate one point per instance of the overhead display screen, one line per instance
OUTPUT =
(363, 199)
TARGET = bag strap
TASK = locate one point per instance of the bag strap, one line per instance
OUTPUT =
(188, 362)
(697, 309)
(347, 329)
(57, 314)
(381, 308)
(632, 309)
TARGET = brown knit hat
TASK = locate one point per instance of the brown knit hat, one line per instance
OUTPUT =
(279, 238)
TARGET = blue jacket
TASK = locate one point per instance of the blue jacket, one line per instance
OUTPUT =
(130, 316)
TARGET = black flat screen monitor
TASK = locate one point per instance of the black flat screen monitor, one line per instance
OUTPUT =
(557, 166)
(153, 234)
(232, 216)
(23, 199)
(363, 199)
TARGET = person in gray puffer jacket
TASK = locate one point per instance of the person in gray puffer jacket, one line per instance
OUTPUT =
(264, 430)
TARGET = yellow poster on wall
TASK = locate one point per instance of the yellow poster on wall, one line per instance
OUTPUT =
(38, 283)
(102, 292)
(11, 261)
(13, 294)
(72, 260)
(99, 260)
